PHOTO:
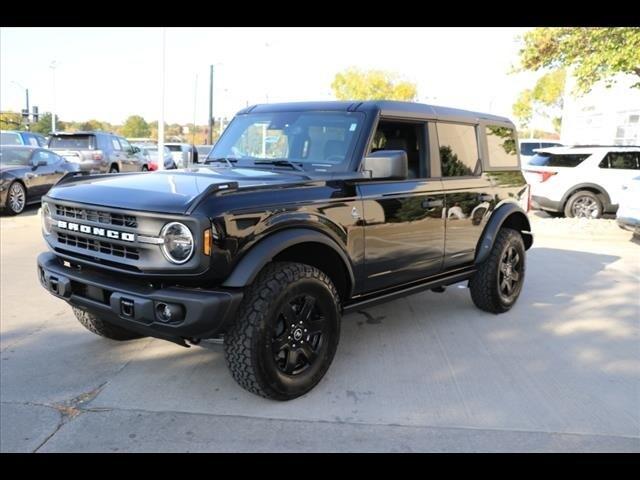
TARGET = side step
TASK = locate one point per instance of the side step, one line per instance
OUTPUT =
(435, 283)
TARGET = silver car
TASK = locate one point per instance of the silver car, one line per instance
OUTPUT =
(184, 154)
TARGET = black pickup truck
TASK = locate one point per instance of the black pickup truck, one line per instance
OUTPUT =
(300, 213)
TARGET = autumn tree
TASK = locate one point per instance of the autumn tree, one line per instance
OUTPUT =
(354, 84)
(135, 126)
(546, 99)
(594, 54)
(11, 121)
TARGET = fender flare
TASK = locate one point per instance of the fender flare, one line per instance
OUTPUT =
(497, 219)
(246, 270)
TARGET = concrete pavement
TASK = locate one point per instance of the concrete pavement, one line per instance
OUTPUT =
(430, 372)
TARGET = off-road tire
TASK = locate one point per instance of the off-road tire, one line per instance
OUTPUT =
(484, 285)
(247, 344)
(568, 208)
(95, 324)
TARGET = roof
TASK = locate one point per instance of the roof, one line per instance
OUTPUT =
(83, 132)
(586, 149)
(386, 107)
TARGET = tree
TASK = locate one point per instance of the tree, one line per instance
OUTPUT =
(594, 54)
(135, 126)
(545, 99)
(43, 125)
(11, 121)
(354, 84)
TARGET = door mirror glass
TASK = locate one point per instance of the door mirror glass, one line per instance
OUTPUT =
(386, 164)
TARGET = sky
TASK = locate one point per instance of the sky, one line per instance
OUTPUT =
(111, 73)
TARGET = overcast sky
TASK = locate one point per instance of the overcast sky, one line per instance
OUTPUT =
(111, 73)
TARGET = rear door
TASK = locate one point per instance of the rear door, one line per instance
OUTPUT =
(131, 161)
(617, 169)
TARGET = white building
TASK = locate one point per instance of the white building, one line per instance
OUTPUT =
(604, 116)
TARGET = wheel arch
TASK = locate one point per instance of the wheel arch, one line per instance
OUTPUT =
(590, 187)
(302, 245)
(508, 215)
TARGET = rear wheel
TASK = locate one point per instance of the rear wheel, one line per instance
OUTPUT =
(583, 204)
(145, 168)
(287, 331)
(497, 283)
(97, 325)
(16, 198)
(114, 169)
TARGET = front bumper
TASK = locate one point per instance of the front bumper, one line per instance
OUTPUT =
(133, 304)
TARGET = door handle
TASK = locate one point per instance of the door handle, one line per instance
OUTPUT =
(432, 203)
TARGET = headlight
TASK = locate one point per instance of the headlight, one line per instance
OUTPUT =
(45, 217)
(178, 242)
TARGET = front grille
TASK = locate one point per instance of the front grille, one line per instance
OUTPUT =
(101, 246)
(97, 216)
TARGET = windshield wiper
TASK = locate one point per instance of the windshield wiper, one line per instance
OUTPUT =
(228, 160)
(281, 163)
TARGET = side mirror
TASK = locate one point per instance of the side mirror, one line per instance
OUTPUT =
(387, 164)
(39, 163)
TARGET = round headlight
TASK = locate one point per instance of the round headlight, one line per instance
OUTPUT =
(45, 217)
(178, 242)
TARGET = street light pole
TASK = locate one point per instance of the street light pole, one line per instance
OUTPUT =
(53, 107)
(210, 141)
(161, 121)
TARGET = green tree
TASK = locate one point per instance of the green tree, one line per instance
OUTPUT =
(43, 125)
(135, 126)
(545, 99)
(11, 121)
(594, 53)
(523, 108)
(354, 84)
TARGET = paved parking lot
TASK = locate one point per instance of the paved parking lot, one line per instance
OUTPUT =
(430, 372)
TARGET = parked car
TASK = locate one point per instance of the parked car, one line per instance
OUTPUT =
(151, 151)
(27, 173)
(95, 151)
(628, 214)
(184, 154)
(528, 145)
(203, 151)
(18, 137)
(268, 246)
(581, 182)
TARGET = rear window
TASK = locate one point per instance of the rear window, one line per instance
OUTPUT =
(526, 148)
(501, 143)
(74, 142)
(10, 138)
(556, 160)
(174, 148)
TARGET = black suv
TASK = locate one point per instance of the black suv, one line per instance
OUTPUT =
(98, 152)
(302, 212)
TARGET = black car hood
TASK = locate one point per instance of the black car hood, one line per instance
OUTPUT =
(169, 191)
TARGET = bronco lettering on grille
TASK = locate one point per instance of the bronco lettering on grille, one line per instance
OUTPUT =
(97, 231)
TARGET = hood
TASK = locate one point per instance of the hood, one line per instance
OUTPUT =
(168, 191)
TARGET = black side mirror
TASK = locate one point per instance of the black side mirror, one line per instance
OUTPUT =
(39, 163)
(387, 164)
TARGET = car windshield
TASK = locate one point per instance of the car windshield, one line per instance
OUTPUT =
(15, 156)
(175, 148)
(316, 141)
(84, 142)
(10, 138)
(526, 148)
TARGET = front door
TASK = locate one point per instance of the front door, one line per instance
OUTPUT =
(404, 226)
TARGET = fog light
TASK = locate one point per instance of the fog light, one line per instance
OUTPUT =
(169, 312)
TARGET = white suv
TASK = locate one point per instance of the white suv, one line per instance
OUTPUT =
(580, 181)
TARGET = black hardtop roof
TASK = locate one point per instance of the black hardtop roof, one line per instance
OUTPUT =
(385, 107)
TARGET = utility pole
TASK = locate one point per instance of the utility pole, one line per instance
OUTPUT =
(211, 105)
(53, 108)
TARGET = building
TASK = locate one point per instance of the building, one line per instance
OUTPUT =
(604, 116)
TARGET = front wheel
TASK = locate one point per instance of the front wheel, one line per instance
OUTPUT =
(497, 283)
(16, 198)
(287, 331)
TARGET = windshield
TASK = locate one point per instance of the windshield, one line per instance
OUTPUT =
(15, 156)
(10, 138)
(317, 141)
(81, 142)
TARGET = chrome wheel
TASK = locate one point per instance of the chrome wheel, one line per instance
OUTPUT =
(17, 198)
(585, 207)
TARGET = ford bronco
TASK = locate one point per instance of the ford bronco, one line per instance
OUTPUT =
(301, 212)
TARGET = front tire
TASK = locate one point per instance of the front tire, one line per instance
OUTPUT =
(114, 169)
(497, 283)
(287, 331)
(97, 325)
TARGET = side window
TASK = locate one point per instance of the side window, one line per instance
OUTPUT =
(126, 146)
(621, 160)
(458, 150)
(407, 136)
(115, 143)
(501, 143)
(42, 156)
(30, 140)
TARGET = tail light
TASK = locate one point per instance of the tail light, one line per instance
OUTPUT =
(544, 176)
(97, 156)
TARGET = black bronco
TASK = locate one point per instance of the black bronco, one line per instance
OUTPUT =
(301, 212)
